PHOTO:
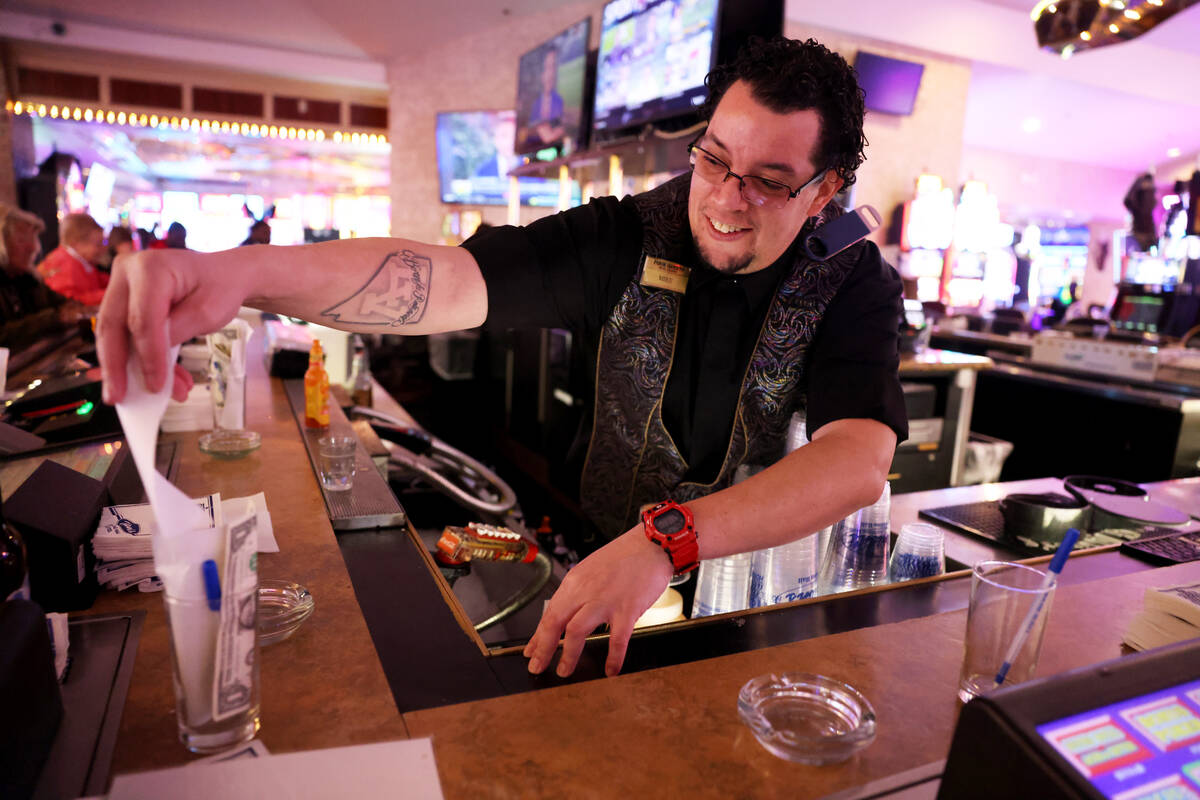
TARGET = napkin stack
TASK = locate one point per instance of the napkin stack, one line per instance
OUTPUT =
(124, 540)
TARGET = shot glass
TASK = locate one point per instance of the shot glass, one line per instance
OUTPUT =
(336, 462)
(1001, 595)
(214, 660)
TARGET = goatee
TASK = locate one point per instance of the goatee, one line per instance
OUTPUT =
(731, 268)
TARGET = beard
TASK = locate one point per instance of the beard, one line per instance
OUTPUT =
(726, 267)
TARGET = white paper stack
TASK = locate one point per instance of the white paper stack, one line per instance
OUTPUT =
(1169, 614)
(124, 540)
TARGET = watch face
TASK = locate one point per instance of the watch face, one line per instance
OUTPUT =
(670, 521)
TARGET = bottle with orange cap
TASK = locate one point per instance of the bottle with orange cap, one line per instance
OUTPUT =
(316, 389)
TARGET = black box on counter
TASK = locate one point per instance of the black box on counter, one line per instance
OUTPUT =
(56, 511)
(32, 700)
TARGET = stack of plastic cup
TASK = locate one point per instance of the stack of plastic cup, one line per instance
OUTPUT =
(919, 553)
(784, 573)
(723, 585)
(824, 539)
(858, 548)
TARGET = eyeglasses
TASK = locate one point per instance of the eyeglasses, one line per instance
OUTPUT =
(755, 190)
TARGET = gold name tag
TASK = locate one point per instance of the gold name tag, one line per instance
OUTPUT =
(662, 274)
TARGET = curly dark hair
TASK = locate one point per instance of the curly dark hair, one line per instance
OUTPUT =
(789, 75)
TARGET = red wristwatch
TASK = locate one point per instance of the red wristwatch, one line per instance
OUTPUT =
(670, 526)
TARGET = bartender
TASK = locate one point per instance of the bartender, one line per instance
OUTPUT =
(707, 327)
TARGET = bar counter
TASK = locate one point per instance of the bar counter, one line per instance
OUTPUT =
(667, 727)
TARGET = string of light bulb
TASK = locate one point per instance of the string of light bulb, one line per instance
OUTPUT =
(136, 119)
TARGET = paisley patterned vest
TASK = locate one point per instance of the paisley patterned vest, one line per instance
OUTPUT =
(631, 459)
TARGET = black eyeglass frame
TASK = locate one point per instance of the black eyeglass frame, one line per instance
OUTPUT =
(729, 173)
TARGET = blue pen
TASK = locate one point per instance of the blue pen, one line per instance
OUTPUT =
(212, 584)
(1056, 566)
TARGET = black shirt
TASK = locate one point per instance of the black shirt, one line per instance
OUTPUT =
(570, 269)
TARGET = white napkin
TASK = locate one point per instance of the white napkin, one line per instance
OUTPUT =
(183, 541)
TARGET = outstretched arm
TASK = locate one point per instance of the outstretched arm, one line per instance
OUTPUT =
(841, 470)
(364, 285)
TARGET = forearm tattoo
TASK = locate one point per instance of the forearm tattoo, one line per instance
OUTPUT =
(396, 294)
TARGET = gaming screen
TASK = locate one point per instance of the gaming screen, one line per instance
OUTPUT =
(1138, 749)
(654, 55)
(92, 460)
(550, 89)
(1137, 313)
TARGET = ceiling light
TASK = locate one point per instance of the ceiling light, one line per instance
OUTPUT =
(1173, 152)
(1067, 52)
(1086, 36)
(1031, 125)
(1131, 14)
(1113, 28)
(1117, 4)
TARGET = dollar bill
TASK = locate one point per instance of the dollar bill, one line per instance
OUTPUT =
(234, 676)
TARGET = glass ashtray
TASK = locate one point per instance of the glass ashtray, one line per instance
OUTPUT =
(225, 443)
(282, 607)
(807, 718)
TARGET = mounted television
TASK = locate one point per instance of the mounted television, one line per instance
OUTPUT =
(475, 154)
(889, 84)
(653, 57)
(551, 81)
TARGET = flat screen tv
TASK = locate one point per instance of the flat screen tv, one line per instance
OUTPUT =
(551, 82)
(475, 155)
(653, 57)
(889, 84)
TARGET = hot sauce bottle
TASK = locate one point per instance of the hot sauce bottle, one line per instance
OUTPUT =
(316, 389)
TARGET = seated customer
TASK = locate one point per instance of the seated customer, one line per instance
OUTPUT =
(28, 310)
(70, 268)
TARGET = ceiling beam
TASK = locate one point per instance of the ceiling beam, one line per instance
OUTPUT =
(244, 58)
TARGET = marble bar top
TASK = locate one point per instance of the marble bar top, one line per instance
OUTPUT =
(675, 732)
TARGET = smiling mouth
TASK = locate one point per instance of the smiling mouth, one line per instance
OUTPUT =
(723, 228)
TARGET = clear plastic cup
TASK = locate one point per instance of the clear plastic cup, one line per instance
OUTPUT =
(785, 573)
(920, 552)
(723, 585)
(858, 548)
